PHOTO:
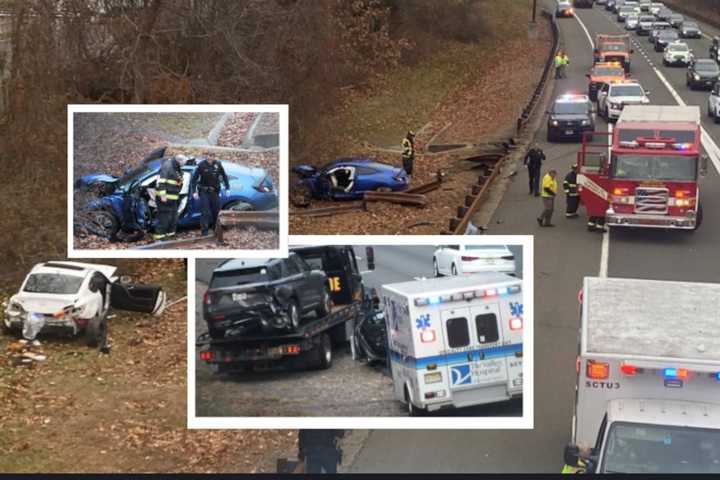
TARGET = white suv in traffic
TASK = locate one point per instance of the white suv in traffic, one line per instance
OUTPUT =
(714, 103)
(613, 97)
(677, 53)
(464, 259)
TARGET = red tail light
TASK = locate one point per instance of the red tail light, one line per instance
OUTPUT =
(206, 298)
(206, 356)
(628, 370)
(468, 259)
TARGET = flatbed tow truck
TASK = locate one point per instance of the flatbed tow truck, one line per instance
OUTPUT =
(311, 345)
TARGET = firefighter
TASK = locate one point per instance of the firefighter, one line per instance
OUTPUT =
(583, 465)
(319, 449)
(408, 152)
(167, 193)
(208, 177)
(533, 160)
(549, 190)
(572, 201)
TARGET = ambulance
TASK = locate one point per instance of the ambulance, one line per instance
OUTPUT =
(647, 398)
(455, 341)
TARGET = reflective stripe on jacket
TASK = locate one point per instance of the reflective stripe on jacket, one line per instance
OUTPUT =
(570, 184)
(407, 148)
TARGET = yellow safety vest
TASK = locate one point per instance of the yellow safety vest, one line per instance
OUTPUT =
(549, 183)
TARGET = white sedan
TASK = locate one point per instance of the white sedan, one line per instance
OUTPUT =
(465, 259)
(74, 297)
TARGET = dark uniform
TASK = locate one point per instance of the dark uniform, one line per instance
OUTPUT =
(319, 450)
(533, 161)
(572, 200)
(169, 184)
(408, 152)
(207, 179)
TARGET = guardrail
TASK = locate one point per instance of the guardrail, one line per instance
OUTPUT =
(459, 224)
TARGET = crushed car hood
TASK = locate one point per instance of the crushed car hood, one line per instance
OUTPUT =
(87, 180)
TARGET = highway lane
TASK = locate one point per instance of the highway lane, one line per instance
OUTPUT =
(563, 256)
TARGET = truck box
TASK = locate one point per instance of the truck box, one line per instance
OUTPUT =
(649, 362)
(455, 341)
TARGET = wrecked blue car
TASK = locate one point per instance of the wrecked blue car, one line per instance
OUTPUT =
(128, 203)
(346, 179)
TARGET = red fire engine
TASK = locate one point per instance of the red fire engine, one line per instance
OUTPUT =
(651, 176)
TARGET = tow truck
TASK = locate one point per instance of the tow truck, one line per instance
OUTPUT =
(613, 48)
(311, 345)
(604, 72)
(649, 177)
(647, 398)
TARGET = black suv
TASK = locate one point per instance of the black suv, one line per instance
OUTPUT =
(269, 295)
(570, 117)
(702, 73)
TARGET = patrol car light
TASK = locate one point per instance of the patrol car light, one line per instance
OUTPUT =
(468, 295)
(682, 146)
(516, 323)
(675, 373)
(597, 370)
(490, 292)
(717, 376)
(433, 300)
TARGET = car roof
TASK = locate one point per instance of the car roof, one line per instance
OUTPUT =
(243, 263)
(76, 269)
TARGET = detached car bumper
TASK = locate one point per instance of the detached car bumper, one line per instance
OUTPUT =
(649, 221)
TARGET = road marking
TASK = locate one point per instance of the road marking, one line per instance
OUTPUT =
(365, 272)
(592, 44)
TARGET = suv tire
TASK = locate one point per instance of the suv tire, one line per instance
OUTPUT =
(325, 306)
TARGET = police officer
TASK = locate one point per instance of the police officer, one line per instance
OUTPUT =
(533, 160)
(167, 193)
(572, 201)
(549, 190)
(319, 449)
(408, 152)
(207, 179)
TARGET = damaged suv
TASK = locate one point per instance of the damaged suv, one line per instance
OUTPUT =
(267, 295)
(74, 298)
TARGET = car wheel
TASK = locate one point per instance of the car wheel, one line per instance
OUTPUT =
(239, 206)
(102, 223)
(301, 195)
(96, 332)
(326, 305)
(324, 353)
(294, 316)
(453, 269)
(413, 411)
(699, 218)
(436, 270)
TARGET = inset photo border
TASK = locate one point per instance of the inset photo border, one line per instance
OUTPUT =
(114, 146)
(224, 393)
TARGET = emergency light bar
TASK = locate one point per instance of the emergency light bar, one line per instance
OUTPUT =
(467, 295)
(655, 143)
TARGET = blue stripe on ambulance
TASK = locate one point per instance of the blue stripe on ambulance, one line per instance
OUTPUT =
(458, 357)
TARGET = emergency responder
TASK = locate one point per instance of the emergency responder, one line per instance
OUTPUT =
(319, 449)
(408, 152)
(565, 63)
(533, 160)
(582, 465)
(572, 200)
(207, 179)
(549, 190)
(167, 194)
(558, 64)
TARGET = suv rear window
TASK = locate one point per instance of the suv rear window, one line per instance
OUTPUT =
(458, 334)
(245, 276)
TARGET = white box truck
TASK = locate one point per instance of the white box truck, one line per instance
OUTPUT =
(455, 341)
(648, 385)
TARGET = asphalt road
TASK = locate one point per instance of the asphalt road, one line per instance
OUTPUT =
(324, 393)
(563, 256)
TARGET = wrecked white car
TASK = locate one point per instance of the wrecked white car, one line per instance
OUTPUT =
(74, 298)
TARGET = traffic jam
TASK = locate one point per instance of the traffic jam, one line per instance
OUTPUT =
(648, 363)
(440, 327)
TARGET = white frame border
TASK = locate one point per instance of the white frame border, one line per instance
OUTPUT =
(390, 423)
(282, 249)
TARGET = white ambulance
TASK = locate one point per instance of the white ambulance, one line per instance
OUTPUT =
(456, 341)
(648, 386)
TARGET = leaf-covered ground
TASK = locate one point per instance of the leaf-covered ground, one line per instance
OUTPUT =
(82, 411)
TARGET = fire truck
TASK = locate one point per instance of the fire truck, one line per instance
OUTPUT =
(647, 398)
(613, 48)
(649, 177)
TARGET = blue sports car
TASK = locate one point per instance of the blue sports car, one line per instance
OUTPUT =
(128, 202)
(346, 179)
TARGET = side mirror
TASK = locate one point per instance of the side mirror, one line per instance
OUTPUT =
(127, 279)
(703, 165)
(370, 254)
(571, 455)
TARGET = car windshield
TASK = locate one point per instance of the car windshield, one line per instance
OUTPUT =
(53, 283)
(668, 34)
(638, 448)
(232, 278)
(627, 91)
(614, 47)
(710, 67)
(562, 108)
(655, 167)
(678, 48)
(608, 71)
